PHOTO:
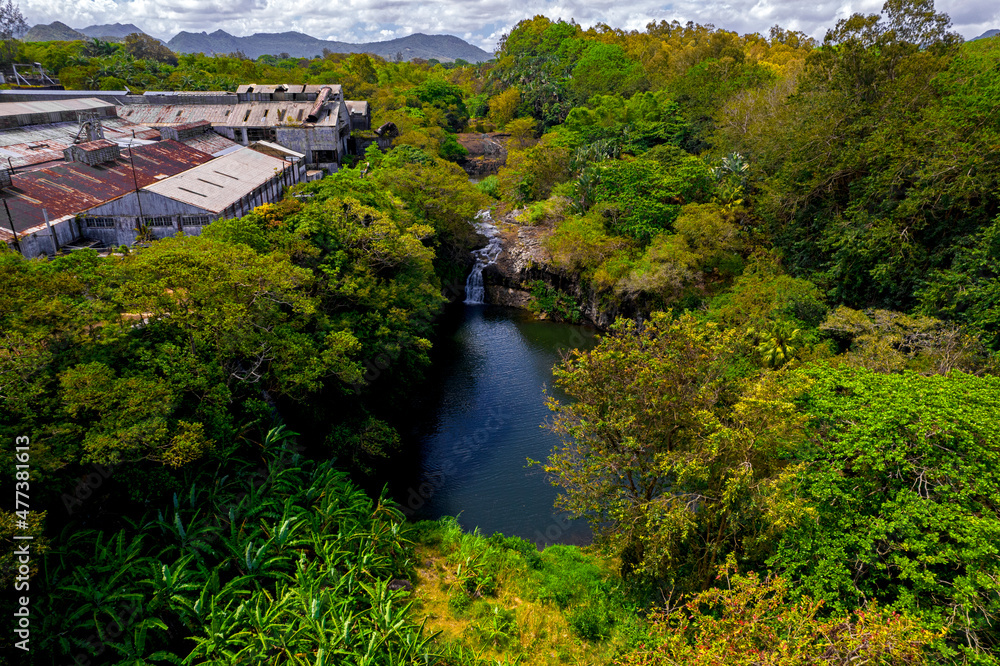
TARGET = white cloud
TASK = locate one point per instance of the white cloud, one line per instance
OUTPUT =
(371, 20)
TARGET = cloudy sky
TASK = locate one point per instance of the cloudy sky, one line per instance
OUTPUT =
(480, 22)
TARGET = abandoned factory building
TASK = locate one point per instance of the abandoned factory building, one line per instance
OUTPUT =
(81, 171)
(310, 119)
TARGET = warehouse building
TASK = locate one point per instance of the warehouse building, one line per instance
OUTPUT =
(312, 120)
(38, 209)
(226, 187)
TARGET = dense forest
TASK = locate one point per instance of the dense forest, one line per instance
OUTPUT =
(787, 446)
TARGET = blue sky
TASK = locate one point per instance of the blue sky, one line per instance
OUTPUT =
(480, 22)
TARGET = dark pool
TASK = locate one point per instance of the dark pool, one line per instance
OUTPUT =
(479, 419)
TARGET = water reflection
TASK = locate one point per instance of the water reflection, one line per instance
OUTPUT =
(481, 420)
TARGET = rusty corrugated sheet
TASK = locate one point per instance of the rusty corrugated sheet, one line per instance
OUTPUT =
(25, 147)
(97, 144)
(211, 143)
(244, 114)
(68, 189)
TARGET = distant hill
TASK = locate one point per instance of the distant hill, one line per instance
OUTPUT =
(988, 33)
(52, 32)
(298, 45)
(115, 30)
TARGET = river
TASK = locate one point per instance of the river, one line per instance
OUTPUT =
(479, 418)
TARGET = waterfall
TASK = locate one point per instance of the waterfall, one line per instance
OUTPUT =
(475, 291)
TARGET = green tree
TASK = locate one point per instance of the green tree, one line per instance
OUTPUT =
(672, 457)
(969, 290)
(604, 69)
(12, 27)
(144, 47)
(902, 474)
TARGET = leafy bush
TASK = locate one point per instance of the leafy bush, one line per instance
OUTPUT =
(903, 477)
(552, 302)
(754, 622)
(591, 622)
(490, 186)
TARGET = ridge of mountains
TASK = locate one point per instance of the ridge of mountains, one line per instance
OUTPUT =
(296, 44)
(115, 30)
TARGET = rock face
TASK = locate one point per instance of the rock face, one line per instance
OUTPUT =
(487, 152)
(525, 259)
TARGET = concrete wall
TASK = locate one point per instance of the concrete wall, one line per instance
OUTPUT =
(305, 140)
(37, 241)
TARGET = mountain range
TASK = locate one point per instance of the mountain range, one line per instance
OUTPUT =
(296, 44)
(117, 31)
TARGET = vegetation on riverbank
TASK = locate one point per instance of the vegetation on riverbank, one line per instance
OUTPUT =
(788, 453)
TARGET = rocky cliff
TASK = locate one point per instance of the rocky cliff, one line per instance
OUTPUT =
(525, 259)
(487, 152)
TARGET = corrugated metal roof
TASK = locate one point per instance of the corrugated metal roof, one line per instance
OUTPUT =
(50, 106)
(187, 93)
(245, 114)
(220, 183)
(211, 143)
(74, 187)
(38, 144)
(26, 147)
(98, 144)
(75, 94)
(193, 125)
(294, 88)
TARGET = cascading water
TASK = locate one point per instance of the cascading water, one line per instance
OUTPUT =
(475, 291)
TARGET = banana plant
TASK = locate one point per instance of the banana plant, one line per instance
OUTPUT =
(171, 587)
(133, 649)
(194, 535)
(224, 635)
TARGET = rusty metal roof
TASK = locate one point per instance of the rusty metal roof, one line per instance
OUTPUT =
(194, 125)
(211, 143)
(98, 144)
(291, 88)
(225, 180)
(25, 147)
(244, 114)
(74, 187)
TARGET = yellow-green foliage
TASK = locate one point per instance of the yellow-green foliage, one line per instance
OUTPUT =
(499, 600)
(551, 211)
(887, 341)
(504, 105)
(754, 622)
(582, 244)
(530, 174)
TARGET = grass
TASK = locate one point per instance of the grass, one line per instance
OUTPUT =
(498, 600)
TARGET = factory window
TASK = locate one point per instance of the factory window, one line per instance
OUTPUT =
(196, 220)
(324, 156)
(260, 134)
(161, 221)
(93, 222)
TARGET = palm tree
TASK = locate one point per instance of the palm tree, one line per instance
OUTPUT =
(780, 345)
